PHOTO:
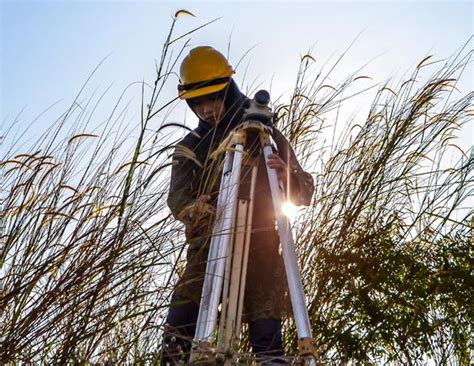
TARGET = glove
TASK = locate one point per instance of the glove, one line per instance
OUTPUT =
(197, 214)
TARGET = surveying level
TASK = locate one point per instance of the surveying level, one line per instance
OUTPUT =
(229, 248)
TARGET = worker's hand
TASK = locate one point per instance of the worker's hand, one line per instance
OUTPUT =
(275, 162)
(202, 208)
(197, 216)
(197, 211)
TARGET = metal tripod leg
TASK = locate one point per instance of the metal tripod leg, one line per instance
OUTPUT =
(236, 267)
(222, 235)
(303, 327)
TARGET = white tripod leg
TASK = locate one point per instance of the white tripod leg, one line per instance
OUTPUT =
(222, 234)
(236, 267)
(291, 263)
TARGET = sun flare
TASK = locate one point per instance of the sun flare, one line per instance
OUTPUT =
(290, 210)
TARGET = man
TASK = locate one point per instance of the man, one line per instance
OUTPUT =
(211, 93)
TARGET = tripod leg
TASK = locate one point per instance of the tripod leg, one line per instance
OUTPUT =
(248, 233)
(236, 267)
(222, 233)
(291, 264)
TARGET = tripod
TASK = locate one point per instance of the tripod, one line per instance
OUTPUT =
(228, 253)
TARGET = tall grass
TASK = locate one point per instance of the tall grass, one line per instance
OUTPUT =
(88, 248)
(89, 253)
(386, 248)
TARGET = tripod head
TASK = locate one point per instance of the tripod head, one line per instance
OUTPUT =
(258, 109)
(257, 120)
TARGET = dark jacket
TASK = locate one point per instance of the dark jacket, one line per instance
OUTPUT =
(194, 174)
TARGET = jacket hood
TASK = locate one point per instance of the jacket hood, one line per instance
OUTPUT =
(234, 102)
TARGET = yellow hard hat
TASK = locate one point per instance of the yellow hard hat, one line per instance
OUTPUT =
(203, 71)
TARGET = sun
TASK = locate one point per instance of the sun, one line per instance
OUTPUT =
(290, 210)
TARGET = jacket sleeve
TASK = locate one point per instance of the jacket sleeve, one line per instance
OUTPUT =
(301, 182)
(182, 192)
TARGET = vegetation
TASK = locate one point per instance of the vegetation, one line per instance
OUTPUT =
(89, 253)
(386, 247)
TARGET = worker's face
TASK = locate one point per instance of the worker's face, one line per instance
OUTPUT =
(210, 107)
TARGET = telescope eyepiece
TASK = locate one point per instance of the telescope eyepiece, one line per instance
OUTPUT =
(262, 97)
(257, 109)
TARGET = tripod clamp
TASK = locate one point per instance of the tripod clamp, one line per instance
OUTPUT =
(257, 120)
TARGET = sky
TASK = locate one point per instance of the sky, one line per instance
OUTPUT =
(49, 48)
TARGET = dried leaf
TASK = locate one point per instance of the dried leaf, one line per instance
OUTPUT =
(362, 77)
(45, 175)
(327, 86)
(187, 153)
(459, 149)
(180, 125)
(301, 96)
(445, 141)
(154, 172)
(56, 213)
(136, 163)
(81, 207)
(183, 12)
(99, 210)
(423, 61)
(388, 89)
(407, 81)
(65, 186)
(55, 165)
(17, 162)
(307, 57)
(8, 172)
(82, 135)
(24, 156)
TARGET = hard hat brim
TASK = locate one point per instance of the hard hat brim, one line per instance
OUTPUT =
(199, 92)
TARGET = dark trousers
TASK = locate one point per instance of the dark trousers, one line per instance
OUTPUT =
(265, 335)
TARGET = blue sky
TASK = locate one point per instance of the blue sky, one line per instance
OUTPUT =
(49, 48)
